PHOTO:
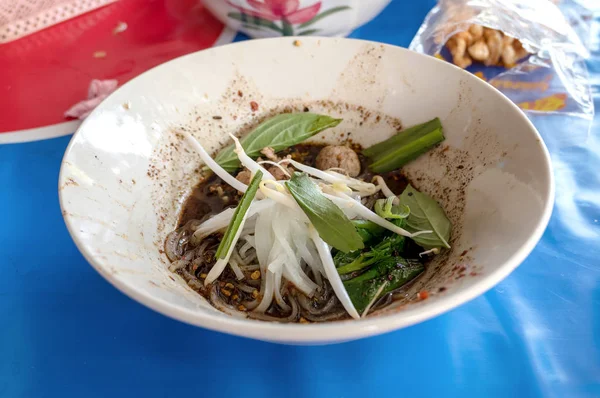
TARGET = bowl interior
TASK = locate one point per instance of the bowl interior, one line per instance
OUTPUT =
(126, 172)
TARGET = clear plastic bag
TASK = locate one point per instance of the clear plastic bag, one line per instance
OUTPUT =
(553, 79)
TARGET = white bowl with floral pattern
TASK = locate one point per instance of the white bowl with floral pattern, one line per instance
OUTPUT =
(271, 18)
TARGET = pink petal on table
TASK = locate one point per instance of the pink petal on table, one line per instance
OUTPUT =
(101, 87)
(97, 92)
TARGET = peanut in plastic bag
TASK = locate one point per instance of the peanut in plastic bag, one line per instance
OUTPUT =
(552, 80)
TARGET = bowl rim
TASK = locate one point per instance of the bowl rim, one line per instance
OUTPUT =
(328, 332)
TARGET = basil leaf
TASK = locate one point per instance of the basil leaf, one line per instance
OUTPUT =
(330, 222)
(238, 216)
(395, 271)
(426, 215)
(278, 132)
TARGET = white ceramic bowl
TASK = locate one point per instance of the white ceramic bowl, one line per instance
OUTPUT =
(126, 173)
(273, 18)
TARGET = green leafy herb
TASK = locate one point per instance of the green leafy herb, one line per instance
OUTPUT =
(385, 208)
(341, 258)
(407, 145)
(393, 271)
(238, 216)
(278, 132)
(368, 230)
(387, 248)
(426, 215)
(330, 222)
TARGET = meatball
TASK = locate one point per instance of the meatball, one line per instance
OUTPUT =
(338, 156)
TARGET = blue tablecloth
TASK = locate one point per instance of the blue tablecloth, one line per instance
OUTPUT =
(65, 332)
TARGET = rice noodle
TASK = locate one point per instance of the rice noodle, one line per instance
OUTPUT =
(250, 267)
(332, 274)
(306, 305)
(250, 257)
(302, 245)
(246, 246)
(171, 245)
(263, 237)
(251, 305)
(249, 239)
(191, 280)
(177, 265)
(236, 269)
(326, 317)
(292, 269)
(293, 316)
(244, 288)
(255, 283)
(237, 258)
(223, 306)
(213, 165)
(278, 298)
(267, 298)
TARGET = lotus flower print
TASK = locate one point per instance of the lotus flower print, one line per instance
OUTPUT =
(283, 16)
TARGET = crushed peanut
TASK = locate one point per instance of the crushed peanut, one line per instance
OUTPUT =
(255, 275)
(226, 292)
(485, 45)
(241, 307)
(297, 43)
(235, 297)
(203, 276)
(229, 285)
(303, 320)
(255, 293)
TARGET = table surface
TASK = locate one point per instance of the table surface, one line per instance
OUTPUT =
(65, 331)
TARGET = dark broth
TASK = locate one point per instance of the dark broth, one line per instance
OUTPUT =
(211, 196)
